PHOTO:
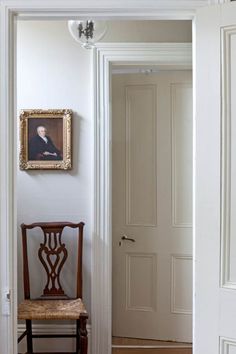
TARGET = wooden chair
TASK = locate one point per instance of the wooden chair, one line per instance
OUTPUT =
(53, 304)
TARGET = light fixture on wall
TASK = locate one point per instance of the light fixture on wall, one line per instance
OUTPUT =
(87, 32)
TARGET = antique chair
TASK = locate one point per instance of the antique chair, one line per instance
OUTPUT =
(53, 304)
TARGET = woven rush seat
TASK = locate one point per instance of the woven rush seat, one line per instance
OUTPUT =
(51, 309)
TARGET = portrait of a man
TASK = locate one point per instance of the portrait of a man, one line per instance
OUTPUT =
(45, 137)
(41, 146)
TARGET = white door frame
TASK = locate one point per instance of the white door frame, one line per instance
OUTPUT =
(162, 54)
(59, 9)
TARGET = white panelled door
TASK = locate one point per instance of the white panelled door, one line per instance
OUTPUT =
(215, 235)
(152, 205)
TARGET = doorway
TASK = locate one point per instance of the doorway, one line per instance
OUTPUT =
(179, 55)
(164, 55)
(152, 205)
(148, 10)
(42, 175)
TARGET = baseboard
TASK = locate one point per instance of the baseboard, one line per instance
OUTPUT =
(55, 344)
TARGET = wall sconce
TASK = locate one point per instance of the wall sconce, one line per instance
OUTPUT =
(87, 32)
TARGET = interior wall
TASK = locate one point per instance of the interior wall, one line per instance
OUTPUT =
(149, 31)
(53, 71)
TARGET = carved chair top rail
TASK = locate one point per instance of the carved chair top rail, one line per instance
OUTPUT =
(52, 225)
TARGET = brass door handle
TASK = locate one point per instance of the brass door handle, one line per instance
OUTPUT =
(126, 238)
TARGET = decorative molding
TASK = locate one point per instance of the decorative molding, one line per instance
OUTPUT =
(226, 344)
(132, 221)
(111, 9)
(158, 54)
(106, 54)
(153, 259)
(215, 2)
(145, 70)
(8, 240)
(226, 36)
(174, 309)
(175, 222)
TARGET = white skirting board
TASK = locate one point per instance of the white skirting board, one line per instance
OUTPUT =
(52, 344)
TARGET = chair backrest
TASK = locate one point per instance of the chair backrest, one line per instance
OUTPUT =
(52, 254)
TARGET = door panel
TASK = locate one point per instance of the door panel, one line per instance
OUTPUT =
(228, 269)
(181, 113)
(215, 174)
(181, 301)
(152, 204)
(141, 291)
(141, 176)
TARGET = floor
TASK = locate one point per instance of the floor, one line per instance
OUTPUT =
(145, 351)
(152, 351)
(144, 346)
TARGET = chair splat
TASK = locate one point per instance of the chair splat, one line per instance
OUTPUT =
(53, 254)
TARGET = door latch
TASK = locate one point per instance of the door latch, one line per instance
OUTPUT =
(6, 302)
(126, 238)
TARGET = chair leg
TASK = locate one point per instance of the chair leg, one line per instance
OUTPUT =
(83, 336)
(29, 337)
(77, 336)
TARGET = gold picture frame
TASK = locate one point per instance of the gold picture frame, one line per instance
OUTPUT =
(45, 139)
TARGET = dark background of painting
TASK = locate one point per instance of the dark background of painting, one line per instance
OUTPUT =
(54, 128)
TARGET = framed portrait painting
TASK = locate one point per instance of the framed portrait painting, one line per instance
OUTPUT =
(45, 139)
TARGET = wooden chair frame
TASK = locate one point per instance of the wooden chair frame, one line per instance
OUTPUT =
(53, 293)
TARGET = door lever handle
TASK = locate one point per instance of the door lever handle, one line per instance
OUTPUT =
(126, 238)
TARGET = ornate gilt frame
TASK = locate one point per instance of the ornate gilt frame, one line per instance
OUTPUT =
(66, 162)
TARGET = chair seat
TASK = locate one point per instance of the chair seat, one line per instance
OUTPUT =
(51, 310)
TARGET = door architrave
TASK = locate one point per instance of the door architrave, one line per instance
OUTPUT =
(178, 55)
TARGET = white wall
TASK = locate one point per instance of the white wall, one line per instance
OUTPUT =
(53, 71)
(149, 31)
